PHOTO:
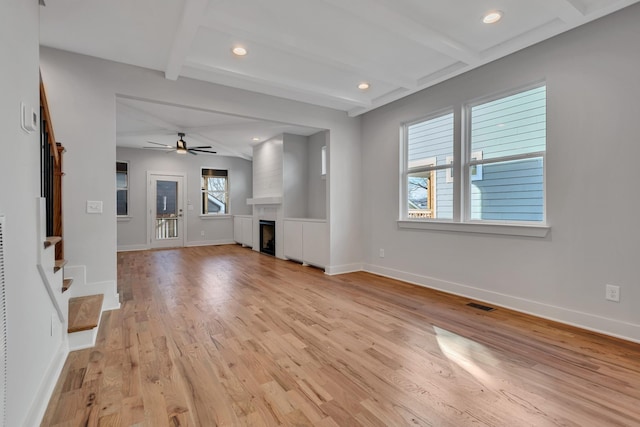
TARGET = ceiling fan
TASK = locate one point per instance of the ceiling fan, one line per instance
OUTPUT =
(181, 147)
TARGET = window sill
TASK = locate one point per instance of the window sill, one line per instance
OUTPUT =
(216, 216)
(124, 218)
(526, 230)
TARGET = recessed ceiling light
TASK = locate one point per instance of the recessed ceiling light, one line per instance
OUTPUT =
(364, 86)
(255, 139)
(492, 17)
(239, 51)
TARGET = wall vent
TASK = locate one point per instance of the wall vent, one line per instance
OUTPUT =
(3, 331)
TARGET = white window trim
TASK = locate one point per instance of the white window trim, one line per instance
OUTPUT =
(429, 164)
(461, 221)
(213, 214)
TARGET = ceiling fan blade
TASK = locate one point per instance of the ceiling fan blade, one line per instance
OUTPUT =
(159, 148)
(202, 151)
(157, 143)
(201, 146)
(191, 152)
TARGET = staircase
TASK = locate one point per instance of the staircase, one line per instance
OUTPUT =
(79, 312)
(82, 313)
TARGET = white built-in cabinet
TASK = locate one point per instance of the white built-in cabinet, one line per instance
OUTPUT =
(305, 240)
(243, 230)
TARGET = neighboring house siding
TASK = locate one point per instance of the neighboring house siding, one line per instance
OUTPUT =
(509, 191)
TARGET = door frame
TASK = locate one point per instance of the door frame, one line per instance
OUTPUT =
(151, 202)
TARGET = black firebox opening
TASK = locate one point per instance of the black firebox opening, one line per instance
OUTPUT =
(268, 237)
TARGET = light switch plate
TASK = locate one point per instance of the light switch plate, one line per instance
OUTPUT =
(94, 207)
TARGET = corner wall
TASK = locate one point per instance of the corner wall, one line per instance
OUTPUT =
(592, 197)
(35, 344)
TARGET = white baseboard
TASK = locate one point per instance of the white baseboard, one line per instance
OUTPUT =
(130, 248)
(603, 325)
(210, 243)
(343, 269)
(41, 401)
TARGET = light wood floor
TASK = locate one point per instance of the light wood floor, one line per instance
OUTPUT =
(223, 336)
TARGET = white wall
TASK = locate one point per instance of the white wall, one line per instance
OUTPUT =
(132, 231)
(295, 165)
(316, 183)
(592, 193)
(267, 168)
(82, 99)
(34, 352)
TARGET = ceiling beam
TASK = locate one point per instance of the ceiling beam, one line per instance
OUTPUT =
(308, 90)
(388, 18)
(192, 14)
(314, 51)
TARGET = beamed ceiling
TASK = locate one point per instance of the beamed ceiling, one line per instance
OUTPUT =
(315, 51)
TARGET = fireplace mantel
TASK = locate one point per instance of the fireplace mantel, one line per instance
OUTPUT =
(265, 201)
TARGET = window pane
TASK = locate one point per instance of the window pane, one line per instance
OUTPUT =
(509, 191)
(121, 202)
(121, 180)
(216, 184)
(510, 126)
(430, 141)
(429, 195)
(216, 202)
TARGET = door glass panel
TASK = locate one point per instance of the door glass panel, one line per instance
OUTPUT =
(166, 210)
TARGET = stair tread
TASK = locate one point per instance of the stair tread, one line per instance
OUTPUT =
(84, 312)
(59, 264)
(51, 241)
(66, 284)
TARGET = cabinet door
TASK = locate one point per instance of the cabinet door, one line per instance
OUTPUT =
(237, 229)
(293, 240)
(247, 232)
(315, 243)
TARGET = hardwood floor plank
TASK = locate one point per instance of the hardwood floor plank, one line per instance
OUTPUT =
(224, 336)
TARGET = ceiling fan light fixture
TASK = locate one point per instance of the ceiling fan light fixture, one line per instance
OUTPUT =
(239, 51)
(492, 17)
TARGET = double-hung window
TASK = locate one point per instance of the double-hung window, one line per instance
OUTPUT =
(215, 191)
(508, 137)
(429, 145)
(499, 162)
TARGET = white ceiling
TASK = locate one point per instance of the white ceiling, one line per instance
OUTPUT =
(315, 51)
(139, 122)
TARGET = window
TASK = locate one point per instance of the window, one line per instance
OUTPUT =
(215, 192)
(509, 136)
(429, 145)
(122, 188)
(323, 164)
(500, 156)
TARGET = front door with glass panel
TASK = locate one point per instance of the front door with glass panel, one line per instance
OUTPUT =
(165, 211)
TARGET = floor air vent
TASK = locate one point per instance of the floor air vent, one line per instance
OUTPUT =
(480, 306)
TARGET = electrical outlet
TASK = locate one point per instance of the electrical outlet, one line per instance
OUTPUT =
(612, 293)
(381, 253)
(202, 233)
